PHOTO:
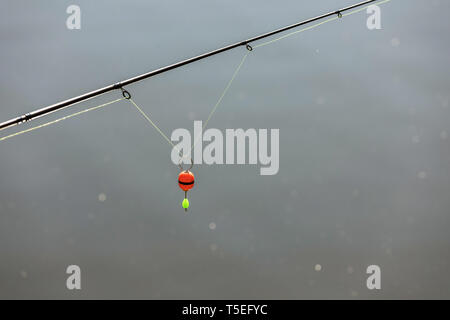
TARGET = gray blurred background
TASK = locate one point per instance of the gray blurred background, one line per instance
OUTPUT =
(364, 153)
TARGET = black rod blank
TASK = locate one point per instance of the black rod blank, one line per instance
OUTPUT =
(120, 85)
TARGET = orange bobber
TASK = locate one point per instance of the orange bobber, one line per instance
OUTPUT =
(186, 180)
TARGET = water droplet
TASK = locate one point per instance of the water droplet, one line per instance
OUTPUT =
(320, 100)
(102, 197)
(422, 175)
(395, 42)
(294, 193)
(354, 293)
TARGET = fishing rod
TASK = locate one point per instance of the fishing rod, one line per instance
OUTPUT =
(120, 85)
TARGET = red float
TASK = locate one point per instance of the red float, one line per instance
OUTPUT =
(186, 180)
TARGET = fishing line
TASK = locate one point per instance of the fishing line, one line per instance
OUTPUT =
(59, 119)
(152, 123)
(317, 24)
(221, 97)
(225, 90)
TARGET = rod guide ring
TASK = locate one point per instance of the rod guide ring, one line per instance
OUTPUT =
(125, 94)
